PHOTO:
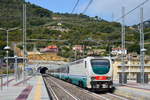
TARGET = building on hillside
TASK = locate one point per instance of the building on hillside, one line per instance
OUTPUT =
(56, 18)
(96, 52)
(58, 28)
(132, 66)
(78, 48)
(51, 48)
(118, 51)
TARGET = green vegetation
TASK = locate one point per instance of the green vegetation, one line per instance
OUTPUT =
(76, 28)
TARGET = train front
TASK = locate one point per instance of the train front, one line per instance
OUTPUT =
(101, 74)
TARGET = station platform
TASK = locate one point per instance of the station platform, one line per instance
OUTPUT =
(30, 88)
(133, 90)
(33, 88)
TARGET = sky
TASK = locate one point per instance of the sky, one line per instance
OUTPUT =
(107, 9)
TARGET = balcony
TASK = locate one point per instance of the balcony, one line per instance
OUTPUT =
(133, 71)
(134, 65)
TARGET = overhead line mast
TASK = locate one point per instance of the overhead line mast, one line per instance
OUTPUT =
(142, 49)
(132, 10)
(24, 40)
(123, 46)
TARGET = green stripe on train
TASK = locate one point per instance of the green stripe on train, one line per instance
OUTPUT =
(76, 80)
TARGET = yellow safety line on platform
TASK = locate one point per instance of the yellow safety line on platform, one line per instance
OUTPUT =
(37, 95)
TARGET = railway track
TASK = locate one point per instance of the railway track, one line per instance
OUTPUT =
(60, 90)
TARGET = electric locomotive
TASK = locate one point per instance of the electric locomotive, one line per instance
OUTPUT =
(94, 73)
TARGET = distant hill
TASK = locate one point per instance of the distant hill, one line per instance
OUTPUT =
(11, 14)
(75, 28)
(146, 27)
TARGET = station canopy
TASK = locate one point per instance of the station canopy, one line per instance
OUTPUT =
(12, 59)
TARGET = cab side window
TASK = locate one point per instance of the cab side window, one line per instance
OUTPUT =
(85, 64)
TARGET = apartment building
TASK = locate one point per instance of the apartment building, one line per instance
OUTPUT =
(132, 66)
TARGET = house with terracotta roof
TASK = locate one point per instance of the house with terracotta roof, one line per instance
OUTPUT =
(51, 48)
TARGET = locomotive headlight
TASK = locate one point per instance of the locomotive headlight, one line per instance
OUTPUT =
(93, 78)
(109, 78)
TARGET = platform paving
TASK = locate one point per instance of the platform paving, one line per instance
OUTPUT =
(30, 88)
(133, 90)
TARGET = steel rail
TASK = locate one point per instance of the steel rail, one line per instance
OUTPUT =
(75, 98)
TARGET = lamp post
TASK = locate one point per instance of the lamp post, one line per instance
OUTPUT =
(1, 82)
(16, 67)
(7, 48)
(1, 76)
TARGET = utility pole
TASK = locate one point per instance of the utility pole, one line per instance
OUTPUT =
(142, 50)
(123, 45)
(24, 40)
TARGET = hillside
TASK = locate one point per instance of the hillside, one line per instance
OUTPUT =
(76, 29)
(11, 16)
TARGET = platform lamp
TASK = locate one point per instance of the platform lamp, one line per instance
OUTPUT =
(7, 48)
(16, 67)
(143, 50)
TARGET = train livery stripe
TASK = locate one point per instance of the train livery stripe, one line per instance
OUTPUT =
(75, 78)
(69, 74)
(77, 75)
(78, 78)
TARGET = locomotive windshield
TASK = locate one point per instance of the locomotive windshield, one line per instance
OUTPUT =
(100, 66)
